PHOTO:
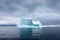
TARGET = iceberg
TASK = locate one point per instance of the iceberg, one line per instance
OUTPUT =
(29, 23)
(26, 26)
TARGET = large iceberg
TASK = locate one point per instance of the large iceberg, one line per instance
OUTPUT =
(26, 26)
(29, 23)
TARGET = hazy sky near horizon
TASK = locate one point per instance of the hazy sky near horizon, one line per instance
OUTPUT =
(47, 11)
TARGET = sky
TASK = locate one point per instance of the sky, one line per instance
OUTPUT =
(47, 11)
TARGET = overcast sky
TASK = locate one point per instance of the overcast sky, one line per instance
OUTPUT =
(47, 11)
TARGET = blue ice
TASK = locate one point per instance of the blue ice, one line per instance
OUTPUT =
(29, 23)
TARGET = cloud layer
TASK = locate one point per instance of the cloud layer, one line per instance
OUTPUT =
(38, 9)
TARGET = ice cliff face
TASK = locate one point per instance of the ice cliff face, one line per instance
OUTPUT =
(28, 23)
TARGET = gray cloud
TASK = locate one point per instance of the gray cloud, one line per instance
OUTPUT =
(40, 9)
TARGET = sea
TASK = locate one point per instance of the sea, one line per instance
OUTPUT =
(47, 32)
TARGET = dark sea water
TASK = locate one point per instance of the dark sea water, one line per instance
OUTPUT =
(14, 33)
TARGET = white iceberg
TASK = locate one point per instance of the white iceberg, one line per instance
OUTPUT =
(28, 26)
(29, 23)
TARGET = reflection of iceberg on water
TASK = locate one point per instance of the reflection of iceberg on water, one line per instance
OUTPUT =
(26, 26)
